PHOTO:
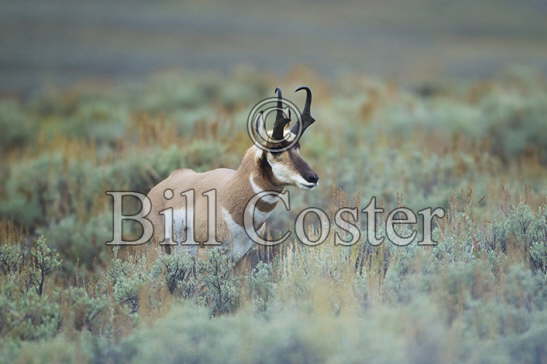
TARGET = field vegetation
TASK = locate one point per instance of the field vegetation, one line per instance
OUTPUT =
(479, 150)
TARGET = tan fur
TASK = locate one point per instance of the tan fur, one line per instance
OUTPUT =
(233, 193)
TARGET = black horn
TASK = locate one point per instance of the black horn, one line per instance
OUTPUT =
(279, 115)
(305, 117)
(280, 120)
(307, 105)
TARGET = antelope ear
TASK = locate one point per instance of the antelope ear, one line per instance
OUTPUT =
(260, 126)
(260, 155)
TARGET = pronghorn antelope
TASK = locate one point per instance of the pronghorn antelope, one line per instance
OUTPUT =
(259, 170)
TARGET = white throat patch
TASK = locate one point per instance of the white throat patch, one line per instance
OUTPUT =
(257, 189)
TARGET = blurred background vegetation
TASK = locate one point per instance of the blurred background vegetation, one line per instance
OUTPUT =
(60, 41)
(421, 104)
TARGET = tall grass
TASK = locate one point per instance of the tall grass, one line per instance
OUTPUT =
(478, 296)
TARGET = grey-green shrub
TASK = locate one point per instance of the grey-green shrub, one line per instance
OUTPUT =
(88, 311)
(262, 286)
(127, 279)
(26, 310)
(180, 272)
(516, 124)
(526, 229)
(478, 296)
(221, 286)
(80, 242)
(97, 120)
(16, 126)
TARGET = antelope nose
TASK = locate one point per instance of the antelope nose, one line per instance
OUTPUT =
(312, 178)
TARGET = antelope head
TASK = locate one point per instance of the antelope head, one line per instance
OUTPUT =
(285, 166)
